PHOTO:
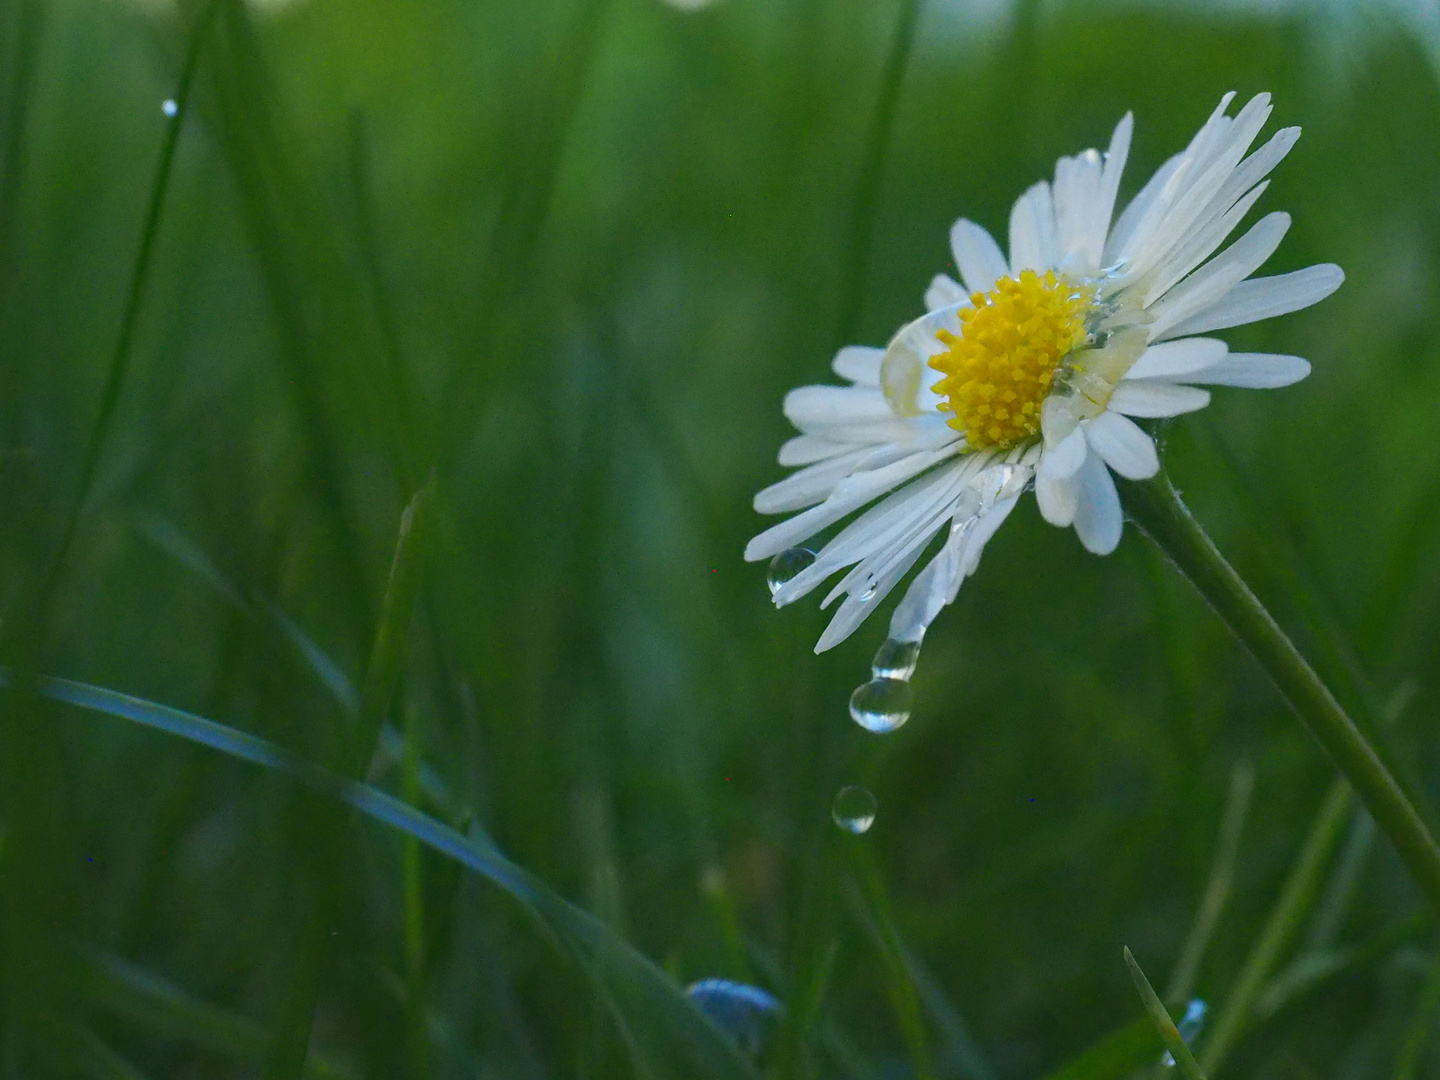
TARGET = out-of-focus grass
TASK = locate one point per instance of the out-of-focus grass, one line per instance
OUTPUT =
(570, 255)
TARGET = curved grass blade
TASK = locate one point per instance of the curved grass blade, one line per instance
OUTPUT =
(709, 1049)
(1189, 1068)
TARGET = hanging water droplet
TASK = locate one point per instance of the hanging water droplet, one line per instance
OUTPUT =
(882, 705)
(746, 1013)
(786, 565)
(169, 107)
(854, 809)
(895, 659)
(1189, 1026)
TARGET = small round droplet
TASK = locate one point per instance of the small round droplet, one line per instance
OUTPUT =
(786, 565)
(882, 705)
(169, 107)
(895, 659)
(854, 809)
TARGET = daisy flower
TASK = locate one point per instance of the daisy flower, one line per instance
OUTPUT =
(1029, 374)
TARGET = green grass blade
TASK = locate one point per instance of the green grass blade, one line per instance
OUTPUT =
(1184, 1060)
(1217, 889)
(139, 275)
(709, 1048)
(387, 652)
(1294, 903)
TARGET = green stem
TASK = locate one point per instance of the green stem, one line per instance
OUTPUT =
(139, 275)
(1158, 509)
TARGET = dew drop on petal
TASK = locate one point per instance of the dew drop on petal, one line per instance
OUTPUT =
(786, 565)
(854, 809)
(895, 659)
(169, 107)
(746, 1013)
(882, 705)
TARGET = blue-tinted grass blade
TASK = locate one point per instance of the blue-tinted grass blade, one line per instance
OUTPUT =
(709, 1048)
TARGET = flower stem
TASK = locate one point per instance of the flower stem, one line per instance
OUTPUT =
(1157, 508)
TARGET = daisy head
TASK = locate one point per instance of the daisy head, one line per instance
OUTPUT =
(1028, 375)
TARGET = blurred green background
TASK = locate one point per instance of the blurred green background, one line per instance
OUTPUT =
(569, 255)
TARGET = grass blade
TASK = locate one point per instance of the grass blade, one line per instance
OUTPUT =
(1217, 889)
(1189, 1068)
(708, 1048)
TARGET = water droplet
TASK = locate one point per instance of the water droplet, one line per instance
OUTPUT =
(1189, 1026)
(746, 1013)
(882, 705)
(895, 659)
(854, 810)
(169, 107)
(786, 565)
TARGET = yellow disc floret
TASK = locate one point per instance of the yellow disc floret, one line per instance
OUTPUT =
(1002, 364)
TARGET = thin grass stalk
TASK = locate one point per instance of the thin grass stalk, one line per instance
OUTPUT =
(904, 996)
(139, 276)
(1296, 898)
(872, 167)
(1163, 1023)
(1217, 889)
(1160, 512)
(30, 22)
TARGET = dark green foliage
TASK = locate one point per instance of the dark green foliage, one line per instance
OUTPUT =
(566, 258)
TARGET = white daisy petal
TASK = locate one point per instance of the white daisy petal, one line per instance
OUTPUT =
(1098, 520)
(808, 486)
(1255, 371)
(930, 591)
(1118, 244)
(1124, 446)
(812, 408)
(1109, 187)
(1032, 231)
(806, 449)
(1221, 274)
(1076, 193)
(944, 291)
(978, 256)
(988, 525)
(1263, 298)
(848, 495)
(1152, 398)
(1057, 497)
(859, 363)
(1066, 457)
(1174, 359)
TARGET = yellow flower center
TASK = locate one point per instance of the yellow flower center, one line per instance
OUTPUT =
(1003, 363)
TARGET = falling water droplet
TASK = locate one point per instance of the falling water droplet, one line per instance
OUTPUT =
(746, 1013)
(854, 809)
(169, 107)
(786, 565)
(882, 705)
(1189, 1026)
(895, 659)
